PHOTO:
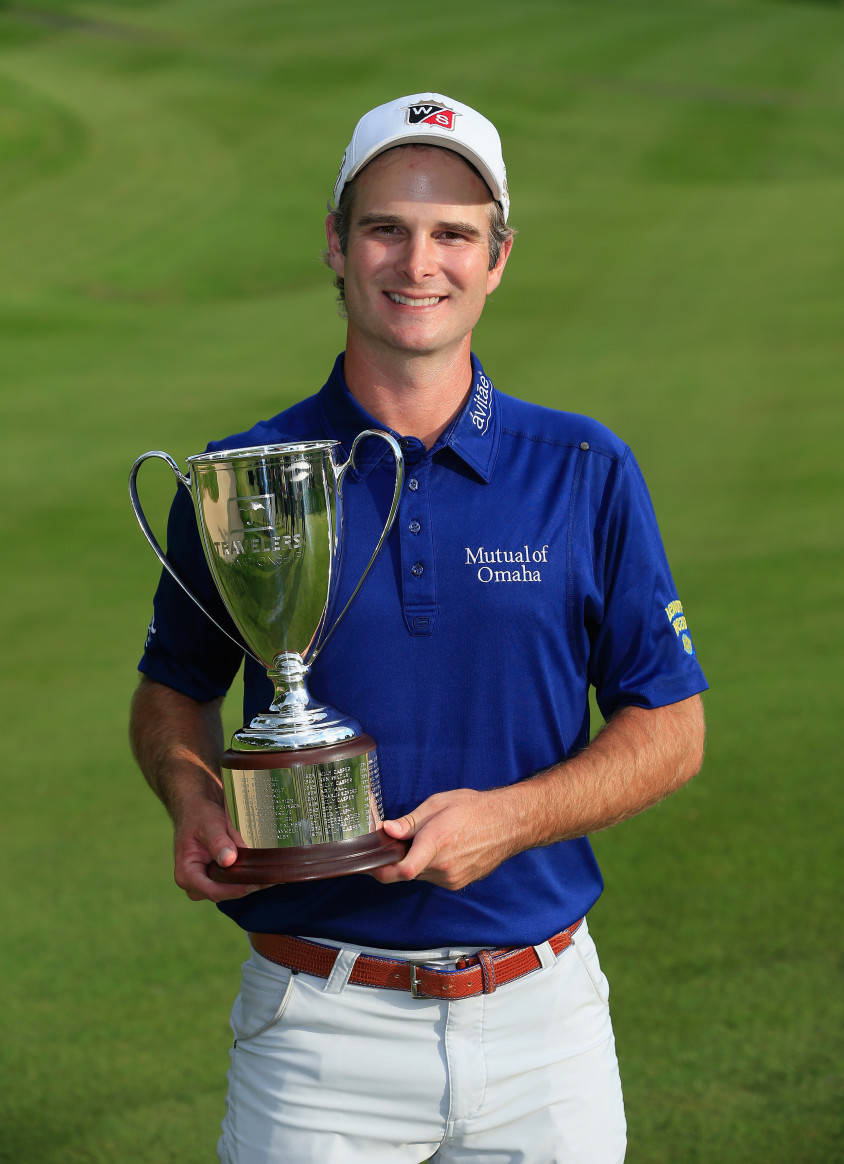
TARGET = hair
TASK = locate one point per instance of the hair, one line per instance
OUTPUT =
(499, 231)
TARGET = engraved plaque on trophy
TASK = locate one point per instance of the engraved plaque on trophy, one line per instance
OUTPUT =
(301, 781)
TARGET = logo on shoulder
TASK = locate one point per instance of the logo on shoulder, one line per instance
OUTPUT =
(674, 612)
(438, 115)
(480, 407)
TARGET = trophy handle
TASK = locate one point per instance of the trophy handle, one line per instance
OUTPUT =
(157, 550)
(388, 525)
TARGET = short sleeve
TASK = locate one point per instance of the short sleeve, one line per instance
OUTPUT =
(642, 652)
(184, 649)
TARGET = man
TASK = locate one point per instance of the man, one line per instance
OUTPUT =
(525, 565)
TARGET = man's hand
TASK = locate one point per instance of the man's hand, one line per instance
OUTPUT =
(456, 837)
(203, 834)
(641, 756)
(178, 743)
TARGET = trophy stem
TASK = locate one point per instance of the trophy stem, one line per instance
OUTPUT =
(294, 719)
(287, 675)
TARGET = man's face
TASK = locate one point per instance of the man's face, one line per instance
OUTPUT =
(416, 269)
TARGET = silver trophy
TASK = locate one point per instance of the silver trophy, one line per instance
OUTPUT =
(301, 780)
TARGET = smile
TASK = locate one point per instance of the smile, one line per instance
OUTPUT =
(407, 301)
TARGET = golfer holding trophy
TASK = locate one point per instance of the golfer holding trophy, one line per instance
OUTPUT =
(422, 578)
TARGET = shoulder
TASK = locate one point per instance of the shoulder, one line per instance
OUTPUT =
(299, 422)
(523, 421)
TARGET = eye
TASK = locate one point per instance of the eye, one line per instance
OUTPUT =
(453, 236)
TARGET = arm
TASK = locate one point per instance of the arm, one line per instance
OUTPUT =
(178, 743)
(640, 757)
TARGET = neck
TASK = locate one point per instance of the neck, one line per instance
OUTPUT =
(414, 396)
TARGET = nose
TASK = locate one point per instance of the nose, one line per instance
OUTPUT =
(417, 261)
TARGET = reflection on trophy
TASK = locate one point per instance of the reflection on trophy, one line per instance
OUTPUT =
(301, 780)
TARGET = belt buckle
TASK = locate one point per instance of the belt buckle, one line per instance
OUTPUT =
(430, 964)
(414, 980)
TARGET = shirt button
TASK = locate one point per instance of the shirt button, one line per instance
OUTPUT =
(414, 527)
(416, 569)
(413, 484)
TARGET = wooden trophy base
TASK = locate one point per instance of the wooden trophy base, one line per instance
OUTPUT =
(309, 862)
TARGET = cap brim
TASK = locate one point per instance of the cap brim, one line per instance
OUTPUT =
(434, 139)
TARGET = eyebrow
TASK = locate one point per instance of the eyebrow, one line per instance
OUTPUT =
(467, 228)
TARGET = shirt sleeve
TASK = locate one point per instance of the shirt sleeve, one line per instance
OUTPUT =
(642, 652)
(184, 649)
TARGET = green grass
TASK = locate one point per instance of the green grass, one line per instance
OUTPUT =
(677, 179)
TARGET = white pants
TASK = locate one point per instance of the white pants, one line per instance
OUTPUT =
(324, 1072)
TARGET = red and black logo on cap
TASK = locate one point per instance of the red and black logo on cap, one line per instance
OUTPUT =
(430, 114)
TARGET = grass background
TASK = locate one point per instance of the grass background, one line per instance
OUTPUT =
(677, 175)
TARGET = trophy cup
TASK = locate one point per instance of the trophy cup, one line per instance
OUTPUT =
(301, 781)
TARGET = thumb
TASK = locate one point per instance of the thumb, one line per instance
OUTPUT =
(401, 828)
(213, 834)
(224, 852)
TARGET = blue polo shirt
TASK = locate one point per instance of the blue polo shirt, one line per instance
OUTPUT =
(525, 565)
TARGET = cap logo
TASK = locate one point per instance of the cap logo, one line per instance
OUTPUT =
(438, 115)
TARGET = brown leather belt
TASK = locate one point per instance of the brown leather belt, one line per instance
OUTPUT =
(476, 974)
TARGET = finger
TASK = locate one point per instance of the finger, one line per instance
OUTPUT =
(223, 892)
(227, 893)
(193, 858)
(200, 887)
(416, 862)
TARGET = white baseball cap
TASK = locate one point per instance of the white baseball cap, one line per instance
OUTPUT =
(427, 119)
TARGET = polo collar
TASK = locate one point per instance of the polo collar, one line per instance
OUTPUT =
(473, 436)
(476, 433)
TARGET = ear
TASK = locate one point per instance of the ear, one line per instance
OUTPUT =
(494, 274)
(336, 258)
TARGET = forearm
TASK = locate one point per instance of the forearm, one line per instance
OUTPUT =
(640, 757)
(177, 743)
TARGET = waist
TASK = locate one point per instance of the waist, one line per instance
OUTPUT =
(448, 974)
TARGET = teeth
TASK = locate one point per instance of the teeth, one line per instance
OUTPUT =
(427, 301)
